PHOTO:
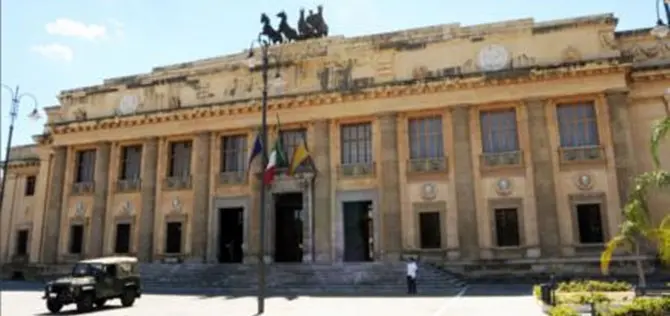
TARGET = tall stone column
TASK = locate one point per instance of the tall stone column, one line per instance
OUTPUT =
(101, 178)
(390, 187)
(148, 191)
(321, 201)
(54, 204)
(464, 183)
(622, 143)
(542, 155)
(201, 197)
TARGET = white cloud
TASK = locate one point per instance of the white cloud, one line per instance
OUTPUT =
(71, 28)
(58, 52)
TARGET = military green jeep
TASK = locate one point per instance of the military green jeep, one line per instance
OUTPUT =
(93, 282)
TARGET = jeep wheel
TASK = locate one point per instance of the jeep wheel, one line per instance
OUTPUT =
(128, 297)
(54, 306)
(100, 302)
(85, 304)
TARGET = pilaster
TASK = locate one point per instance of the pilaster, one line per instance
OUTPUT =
(542, 155)
(321, 201)
(148, 191)
(101, 178)
(465, 183)
(624, 156)
(201, 181)
(54, 204)
(389, 187)
(39, 207)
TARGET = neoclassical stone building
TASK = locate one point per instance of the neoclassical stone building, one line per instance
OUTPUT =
(514, 140)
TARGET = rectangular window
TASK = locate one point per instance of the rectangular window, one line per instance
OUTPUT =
(292, 139)
(122, 242)
(577, 124)
(30, 185)
(76, 239)
(430, 230)
(85, 166)
(499, 131)
(425, 138)
(233, 153)
(589, 223)
(507, 227)
(173, 237)
(356, 143)
(180, 159)
(131, 162)
(22, 242)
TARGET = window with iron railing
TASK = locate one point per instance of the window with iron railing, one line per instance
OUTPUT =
(233, 153)
(499, 136)
(356, 143)
(578, 132)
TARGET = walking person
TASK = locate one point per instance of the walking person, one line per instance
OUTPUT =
(412, 269)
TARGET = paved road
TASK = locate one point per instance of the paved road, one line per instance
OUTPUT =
(24, 300)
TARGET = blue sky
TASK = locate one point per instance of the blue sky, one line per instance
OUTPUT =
(49, 45)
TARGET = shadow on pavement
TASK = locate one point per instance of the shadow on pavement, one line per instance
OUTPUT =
(472, 290)
(74, 311)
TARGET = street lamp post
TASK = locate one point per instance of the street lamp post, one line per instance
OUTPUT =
(13, 113)
(661, 30)
(277, 81)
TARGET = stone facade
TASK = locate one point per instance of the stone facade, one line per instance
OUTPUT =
(386, 81)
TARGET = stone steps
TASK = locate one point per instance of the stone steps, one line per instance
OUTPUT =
(378, 278)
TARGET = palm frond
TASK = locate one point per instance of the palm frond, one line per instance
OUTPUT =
(659, 131)
(606, 255)
(665, 223)
(662, 238)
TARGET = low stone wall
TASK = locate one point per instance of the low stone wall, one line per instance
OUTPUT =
(540, 270)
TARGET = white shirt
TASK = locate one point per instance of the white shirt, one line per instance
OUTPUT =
(411, 269)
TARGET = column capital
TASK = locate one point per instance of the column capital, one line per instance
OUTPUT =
(617, 91)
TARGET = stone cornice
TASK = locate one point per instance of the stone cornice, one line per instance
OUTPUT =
(22, 163)
(651, 73)
(385, 91)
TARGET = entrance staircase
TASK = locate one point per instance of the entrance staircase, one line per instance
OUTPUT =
(369, 278)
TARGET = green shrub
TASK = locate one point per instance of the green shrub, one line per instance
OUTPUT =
(562, 310)
(597, 286)
(649, 306)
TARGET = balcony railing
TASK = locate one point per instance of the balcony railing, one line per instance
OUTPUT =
(177, 183)
(128, 185)
(581, 154)
(79, 188)
(424, 165)
(501, 159)
(357, 169)
(232, 177)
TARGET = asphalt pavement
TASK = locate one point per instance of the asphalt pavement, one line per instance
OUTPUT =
(24, 299)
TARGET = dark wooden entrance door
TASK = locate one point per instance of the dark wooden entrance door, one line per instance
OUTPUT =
(231, 234)
(288, 227)
(358, 241)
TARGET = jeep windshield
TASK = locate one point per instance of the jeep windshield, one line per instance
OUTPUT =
(86, 269)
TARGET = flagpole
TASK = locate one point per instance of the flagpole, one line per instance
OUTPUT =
(264, 158)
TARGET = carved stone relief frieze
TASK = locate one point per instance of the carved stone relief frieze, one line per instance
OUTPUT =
(80, 114)
(79, 210)
(503, 187)
(607, 40)
(641, 52)
(523, 60)
(570, 54)
(584, 182)
(126, 209)
(428, 191)
(201, 88)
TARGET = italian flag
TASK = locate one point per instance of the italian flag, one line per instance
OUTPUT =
(276, 159)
